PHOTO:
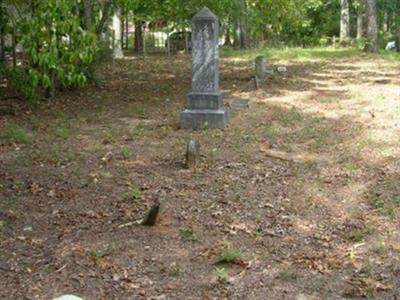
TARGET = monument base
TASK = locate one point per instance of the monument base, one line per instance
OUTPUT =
(204, 118)
(205, 100)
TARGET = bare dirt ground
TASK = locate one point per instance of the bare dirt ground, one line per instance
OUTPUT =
(302, 189)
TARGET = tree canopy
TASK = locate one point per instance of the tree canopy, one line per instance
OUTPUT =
(62, 39)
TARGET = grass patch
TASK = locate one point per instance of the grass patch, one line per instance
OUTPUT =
(187, 234)
(105, 251)
(289, 118)
(391, 55)
(16, 134)
(288, 274)
(132, 194)
(228, 254)
(63, 132)
(222, 275)
(291, 53)
(126, 153)
(136, 132)
(359, 235)
(110, 136)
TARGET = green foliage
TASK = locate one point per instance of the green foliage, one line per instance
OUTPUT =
(126, 153)
(63, 132)
(187, 234)
(20, 81)
(136, 132)
(132, 194)
(58, 50)
(222, 275)
(228, 253)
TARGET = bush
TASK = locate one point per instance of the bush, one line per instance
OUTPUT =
(58, 50)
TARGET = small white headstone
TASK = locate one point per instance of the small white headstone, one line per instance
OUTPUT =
(282, 69)
(68, 297)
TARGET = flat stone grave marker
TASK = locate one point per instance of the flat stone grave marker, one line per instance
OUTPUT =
(240, 103)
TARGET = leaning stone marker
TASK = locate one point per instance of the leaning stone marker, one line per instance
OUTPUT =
(151, 217)
(205, 105)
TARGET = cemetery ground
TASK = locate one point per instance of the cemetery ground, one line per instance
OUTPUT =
(298, 198)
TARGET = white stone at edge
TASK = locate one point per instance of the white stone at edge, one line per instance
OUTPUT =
(68, 297)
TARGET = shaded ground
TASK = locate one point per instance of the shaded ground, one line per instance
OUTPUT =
(76, 173)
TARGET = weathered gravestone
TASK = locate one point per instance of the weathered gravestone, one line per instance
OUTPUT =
(192, 154)
(205, 105)
(261, 71)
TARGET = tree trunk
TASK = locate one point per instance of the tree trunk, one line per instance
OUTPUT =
(14, 45)
(127, 31)
(2, 45)
(243, 25)
(398, 33)
(360, 20)
(236, 33)
(372, 32)
(344, 22)
(138, 36)
(122, 29)
(228, 42)
(186, 41)
(385, 22)
(105, 14)
(88, 14)
(116, 26)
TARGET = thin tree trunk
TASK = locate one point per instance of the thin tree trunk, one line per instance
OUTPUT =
(88, 14)
(122, 28)
(398, 33)
(14, 45)
(228, 42)
(2, 45)
(117, 34)
(236, 33)
(32, 7)
(186, 41)
(127, 31)
(104, 18)
(385, 22)
(243, 25)
(372, 31)
(360, 20)
(344, 21)
(138, 37)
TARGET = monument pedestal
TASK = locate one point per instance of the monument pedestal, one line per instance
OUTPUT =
(204, 118)
(205, 110)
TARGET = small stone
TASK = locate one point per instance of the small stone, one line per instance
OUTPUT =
(68, 297)
(282, 69)
(28, 228)
(192, 154)
(106, 158)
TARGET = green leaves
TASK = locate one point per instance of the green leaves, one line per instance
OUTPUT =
(58, 49)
